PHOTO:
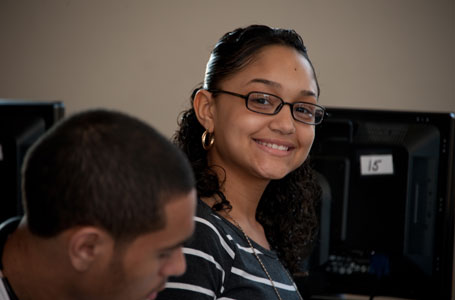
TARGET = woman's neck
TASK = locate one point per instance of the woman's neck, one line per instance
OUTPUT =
(243, 195)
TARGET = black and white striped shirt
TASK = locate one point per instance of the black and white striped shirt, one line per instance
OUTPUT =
(221, 265)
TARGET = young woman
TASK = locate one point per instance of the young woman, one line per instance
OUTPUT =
(248, 135)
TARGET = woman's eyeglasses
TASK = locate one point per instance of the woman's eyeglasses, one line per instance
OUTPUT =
(268, 104)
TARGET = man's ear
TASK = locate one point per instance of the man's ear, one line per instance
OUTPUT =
(88, 245)
(204, 107)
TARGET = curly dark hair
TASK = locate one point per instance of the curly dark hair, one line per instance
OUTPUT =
(288, 207)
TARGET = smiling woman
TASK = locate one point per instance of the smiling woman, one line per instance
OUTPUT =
(256, 217)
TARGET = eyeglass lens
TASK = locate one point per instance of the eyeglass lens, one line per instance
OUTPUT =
(269, 104)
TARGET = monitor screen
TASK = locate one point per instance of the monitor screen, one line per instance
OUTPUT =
(388, 204)
(21, 124)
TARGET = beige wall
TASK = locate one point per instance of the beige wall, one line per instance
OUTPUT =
(145, 56)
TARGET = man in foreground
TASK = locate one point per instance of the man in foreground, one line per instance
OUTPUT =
(108, 203)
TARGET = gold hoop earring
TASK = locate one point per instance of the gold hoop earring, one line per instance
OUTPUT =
(211, 141)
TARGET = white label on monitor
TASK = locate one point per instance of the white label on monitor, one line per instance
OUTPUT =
(376, 164)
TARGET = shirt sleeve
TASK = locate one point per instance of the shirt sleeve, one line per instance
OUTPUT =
(209, 256)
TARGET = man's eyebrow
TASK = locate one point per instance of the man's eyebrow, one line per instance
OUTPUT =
(176, 245)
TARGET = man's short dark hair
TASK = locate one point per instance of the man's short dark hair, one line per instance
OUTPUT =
(106, 169)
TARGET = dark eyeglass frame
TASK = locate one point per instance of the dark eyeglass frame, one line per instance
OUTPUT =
(279, 107)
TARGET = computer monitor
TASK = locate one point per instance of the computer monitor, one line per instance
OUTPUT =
(387, 213)
(21, 124)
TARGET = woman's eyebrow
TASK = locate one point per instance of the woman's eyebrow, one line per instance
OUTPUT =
(308, 93)
(266, 82)
(305, 93)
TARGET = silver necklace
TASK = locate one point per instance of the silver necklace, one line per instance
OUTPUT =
(261, 263)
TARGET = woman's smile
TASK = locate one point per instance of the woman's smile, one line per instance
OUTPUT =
(279, 148)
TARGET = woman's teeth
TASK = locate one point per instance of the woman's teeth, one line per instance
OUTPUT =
(274, 146)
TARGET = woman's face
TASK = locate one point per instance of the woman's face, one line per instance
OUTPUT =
(249, 144)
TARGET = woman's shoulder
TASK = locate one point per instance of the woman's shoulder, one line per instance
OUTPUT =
(212, 231)
(209, 221)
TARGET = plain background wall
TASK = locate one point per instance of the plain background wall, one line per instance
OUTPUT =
(145, 57)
